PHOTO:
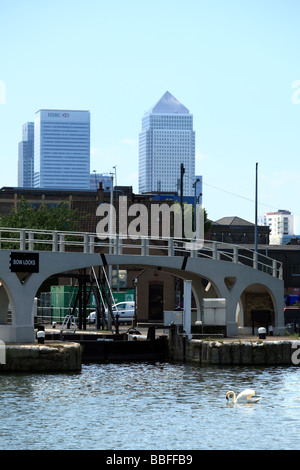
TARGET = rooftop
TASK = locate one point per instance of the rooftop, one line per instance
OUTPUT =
(168, 104)
(64, 110)
(233, 221)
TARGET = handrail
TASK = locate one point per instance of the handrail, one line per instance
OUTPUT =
(58, 241)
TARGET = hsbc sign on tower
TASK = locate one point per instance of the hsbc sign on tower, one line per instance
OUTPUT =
(65, 115)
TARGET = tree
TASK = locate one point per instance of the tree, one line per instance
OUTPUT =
(59, 217)
(189, 209)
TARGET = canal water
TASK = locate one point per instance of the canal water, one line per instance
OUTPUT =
(150, 406)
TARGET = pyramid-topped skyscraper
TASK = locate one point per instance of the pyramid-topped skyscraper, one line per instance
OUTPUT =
(166, 140)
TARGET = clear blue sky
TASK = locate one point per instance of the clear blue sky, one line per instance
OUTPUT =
(231, 63)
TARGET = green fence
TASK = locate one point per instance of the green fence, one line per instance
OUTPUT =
(53, 306)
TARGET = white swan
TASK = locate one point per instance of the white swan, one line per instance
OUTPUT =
(246, 396)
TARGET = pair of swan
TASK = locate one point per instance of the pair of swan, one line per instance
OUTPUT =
(247, 396)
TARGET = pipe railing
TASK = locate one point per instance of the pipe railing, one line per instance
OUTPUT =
(85, 242)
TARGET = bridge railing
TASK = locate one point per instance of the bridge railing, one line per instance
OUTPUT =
(58, 241)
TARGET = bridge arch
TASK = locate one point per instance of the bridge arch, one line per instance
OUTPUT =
(200, 289)
(227, 281)
(256, 297)
(6, 303)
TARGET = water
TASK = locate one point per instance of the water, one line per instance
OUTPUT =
(148, 406)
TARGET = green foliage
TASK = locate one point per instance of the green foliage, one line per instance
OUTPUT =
(207, 223)
(190, 207)
(59, 217)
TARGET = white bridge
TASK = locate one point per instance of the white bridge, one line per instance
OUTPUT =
(29, 257)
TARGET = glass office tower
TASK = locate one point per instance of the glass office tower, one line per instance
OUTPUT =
(25, 156)
(166, 140)
(62, 149)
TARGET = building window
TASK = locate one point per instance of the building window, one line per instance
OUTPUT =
(295, 269)
(119, 278)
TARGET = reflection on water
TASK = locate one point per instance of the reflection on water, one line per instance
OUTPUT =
(144, 406)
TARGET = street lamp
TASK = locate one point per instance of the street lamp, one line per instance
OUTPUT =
(182, 171)
(195, 186)
(95, 171)
(110, 236)
(134, 323)
(115, 168)
(255, 231)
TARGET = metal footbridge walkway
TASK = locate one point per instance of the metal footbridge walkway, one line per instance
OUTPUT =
(28, 257)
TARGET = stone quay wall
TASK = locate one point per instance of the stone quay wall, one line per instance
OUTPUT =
(50, 357)
(235, 352)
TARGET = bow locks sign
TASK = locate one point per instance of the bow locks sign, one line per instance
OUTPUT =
(24, 262)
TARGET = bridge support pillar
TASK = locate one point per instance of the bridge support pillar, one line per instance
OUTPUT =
(17, 333)
(187, 312)
(232, 328)
(21, 330)
(18, 289)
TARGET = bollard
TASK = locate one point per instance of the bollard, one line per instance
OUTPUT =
(262, 333)
(40, 337)
(271, 330)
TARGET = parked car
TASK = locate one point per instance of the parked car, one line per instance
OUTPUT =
(125, 310)
(92, 317)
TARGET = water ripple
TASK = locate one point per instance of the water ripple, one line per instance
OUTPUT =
(150, 406)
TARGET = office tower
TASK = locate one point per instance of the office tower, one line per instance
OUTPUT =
(281, 225)
(62, 149)
(25, 158)
(166, 140)
(96, 178)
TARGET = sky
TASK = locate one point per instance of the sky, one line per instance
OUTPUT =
(233, 63)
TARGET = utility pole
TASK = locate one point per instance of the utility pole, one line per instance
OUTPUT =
(110, 237)
(255, 237)
(182, 171)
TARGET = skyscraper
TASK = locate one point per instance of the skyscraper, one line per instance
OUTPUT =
(62, 149)
(166, 140)
(25, 157)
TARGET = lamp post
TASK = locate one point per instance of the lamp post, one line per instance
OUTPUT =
(111, 210)
(182, 171)
(195, 196)
(95, 171)
(255, 234)
(134, 323)
(115, 168)
(110, 237)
